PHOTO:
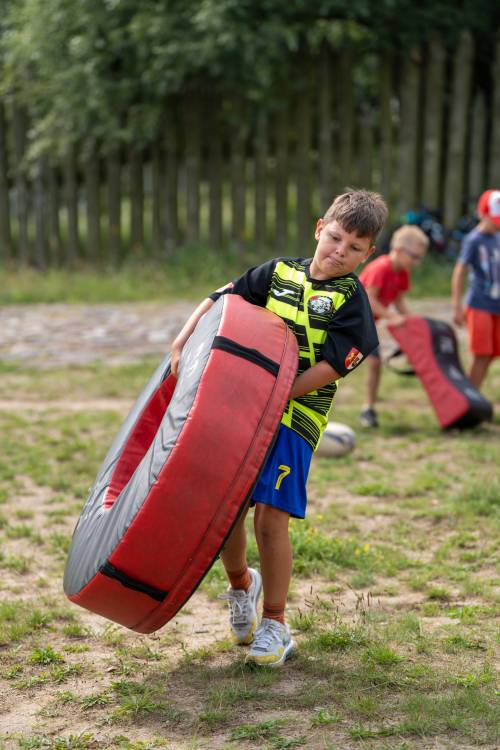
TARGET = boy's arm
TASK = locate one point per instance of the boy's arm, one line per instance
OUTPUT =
(315, 377)
(400, 304)
(381, 311)
(457, 283)
(185, 333)
(253, 286)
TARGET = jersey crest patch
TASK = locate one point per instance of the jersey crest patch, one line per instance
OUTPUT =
(353, 358)
(319, 304)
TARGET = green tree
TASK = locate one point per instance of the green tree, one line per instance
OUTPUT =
(101, 71)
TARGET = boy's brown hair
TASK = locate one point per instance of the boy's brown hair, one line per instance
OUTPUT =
(359, 211)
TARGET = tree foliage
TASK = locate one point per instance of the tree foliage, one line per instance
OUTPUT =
(103, 71)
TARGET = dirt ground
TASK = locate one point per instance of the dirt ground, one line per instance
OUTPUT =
(52, 335)
(42, 336)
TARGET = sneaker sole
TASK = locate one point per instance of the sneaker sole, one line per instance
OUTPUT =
(254, 660)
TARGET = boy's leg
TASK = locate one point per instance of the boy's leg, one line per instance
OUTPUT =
(368, 415)
(373, 381)
(245, 584)
(479, 369)
(279, 493)
(273, 644)
(275, 552)
(483, 329)
(234, 552)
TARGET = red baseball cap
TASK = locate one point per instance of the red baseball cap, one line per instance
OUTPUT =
(489, 205)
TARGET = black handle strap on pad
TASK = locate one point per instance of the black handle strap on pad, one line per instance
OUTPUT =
(408, 370)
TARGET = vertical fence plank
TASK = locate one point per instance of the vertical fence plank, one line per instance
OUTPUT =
(477, 156)
(494, 150)
(385, 128)
(53, 214)
(5, 232)
(114, 191)
(71, 190)
(93, 204)
(238, 176)
(346, 116)
(443, 184)
(192, 116)
(457, 129)
(171, 181)
(408, 132)
(303, 170)
(215, 170)
(325, 118)
(281, 178)
(20, 126)
(434, 98)
(157, 185)
(365, 159)
(40, 214)
(136, 186)
(260, 179)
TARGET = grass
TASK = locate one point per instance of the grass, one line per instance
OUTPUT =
(190, 273)
(394, 602)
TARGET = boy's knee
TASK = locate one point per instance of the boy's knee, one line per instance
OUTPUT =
(270, 521)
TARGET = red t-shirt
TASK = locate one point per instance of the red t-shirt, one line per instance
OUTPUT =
(381, 275)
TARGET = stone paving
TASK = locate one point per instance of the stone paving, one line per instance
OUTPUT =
(62, 334)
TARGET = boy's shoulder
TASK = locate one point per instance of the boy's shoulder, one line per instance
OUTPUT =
(471, 242)
(478, 237)
(293, 262)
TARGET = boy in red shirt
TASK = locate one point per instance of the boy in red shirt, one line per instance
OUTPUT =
(386, 280)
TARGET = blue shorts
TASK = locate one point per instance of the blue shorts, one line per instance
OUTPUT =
(282, 483)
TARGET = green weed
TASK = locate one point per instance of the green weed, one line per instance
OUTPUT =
(263, 730)
(45, 655)
(382, 655)
(339, 638)
(84, 741)
(95, 701)
(324, 717)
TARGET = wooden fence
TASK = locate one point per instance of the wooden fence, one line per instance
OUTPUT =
(231, 173)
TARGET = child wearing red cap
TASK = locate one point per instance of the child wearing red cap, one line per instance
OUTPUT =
(480, 255)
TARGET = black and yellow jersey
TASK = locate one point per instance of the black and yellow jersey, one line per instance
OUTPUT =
(331, 320)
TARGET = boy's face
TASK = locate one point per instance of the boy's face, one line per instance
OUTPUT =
(338, 252)
(410, 255)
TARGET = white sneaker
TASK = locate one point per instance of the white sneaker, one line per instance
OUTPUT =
(243, 609)
(272, 644)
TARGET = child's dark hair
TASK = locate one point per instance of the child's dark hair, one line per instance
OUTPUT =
(359, 211)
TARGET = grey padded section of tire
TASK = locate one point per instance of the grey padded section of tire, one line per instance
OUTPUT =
(100, 530)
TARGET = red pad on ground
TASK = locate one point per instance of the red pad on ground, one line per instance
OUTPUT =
(431, 347)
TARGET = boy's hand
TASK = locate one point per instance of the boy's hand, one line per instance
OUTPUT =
(397, 320)
(185, 333)
(458, 316)
(175, 355)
